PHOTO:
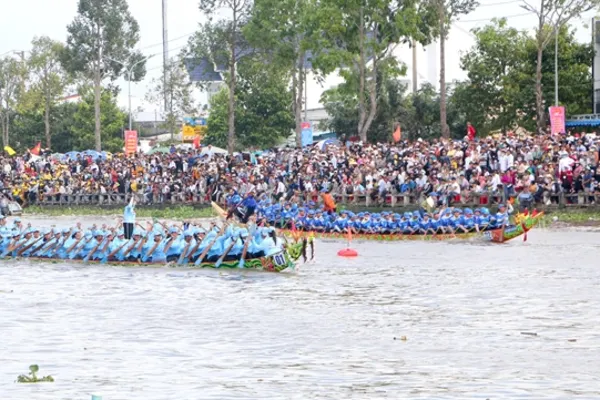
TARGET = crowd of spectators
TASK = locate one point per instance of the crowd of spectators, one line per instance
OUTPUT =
(534, 168)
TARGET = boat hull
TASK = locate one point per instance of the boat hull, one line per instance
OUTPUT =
(500, 235)
(274, 263)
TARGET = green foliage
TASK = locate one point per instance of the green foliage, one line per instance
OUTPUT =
(102, 33)
(263, 104)
(49, 79)
(178, 89)
(112, 120)
(500, 91)
(170, 212)
(12, 79)
(32, 376)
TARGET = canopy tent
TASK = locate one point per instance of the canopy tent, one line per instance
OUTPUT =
(572, 123)
(322, 144)
(212, 150)
(164, 150)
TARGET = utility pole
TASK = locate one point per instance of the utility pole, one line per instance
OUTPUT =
(414, 66)
(165, 55)
(556, 30)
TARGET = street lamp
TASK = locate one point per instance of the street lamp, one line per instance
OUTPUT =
(129, 72)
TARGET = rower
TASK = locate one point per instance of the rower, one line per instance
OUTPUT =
(63, 251)
(153, 251)
(174, 245)
(17, 225)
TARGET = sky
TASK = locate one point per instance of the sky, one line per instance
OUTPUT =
(22, 20)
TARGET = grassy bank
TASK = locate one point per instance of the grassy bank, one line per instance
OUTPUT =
(176, 212)
(575, 217)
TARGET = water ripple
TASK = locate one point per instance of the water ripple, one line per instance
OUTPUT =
(332, 330)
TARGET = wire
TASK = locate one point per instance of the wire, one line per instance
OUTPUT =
(168, 41)
(489, 19)
(499, 3)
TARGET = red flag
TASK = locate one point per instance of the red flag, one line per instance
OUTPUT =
(196, 142)
(37, 149)
(397, 134)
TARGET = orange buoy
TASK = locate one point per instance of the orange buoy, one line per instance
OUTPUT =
(348, 252)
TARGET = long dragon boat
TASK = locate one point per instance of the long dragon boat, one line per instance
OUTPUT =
(273, 263)
(524, 223)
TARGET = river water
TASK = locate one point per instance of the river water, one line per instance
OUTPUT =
(330, 330)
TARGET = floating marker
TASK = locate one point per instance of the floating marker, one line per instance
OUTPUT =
(348, 252)
(94, 397)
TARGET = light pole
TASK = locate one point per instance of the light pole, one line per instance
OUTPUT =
(129, 72)
(556, 65)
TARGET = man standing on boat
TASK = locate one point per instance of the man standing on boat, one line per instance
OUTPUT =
(129, 218)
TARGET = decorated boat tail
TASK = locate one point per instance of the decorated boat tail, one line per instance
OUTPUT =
(524, 223)
(273, 263)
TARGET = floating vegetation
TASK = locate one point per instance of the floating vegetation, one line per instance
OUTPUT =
(32, 377)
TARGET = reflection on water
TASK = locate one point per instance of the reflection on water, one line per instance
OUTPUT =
(329, 331)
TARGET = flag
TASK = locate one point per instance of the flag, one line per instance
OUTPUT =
(9, 150)
(196, 142)
(37, 149)
(397, 134)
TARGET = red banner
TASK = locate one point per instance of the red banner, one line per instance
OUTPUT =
(557, 119)
(131, 142)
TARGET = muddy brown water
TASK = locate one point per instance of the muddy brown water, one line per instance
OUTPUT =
(480, 321)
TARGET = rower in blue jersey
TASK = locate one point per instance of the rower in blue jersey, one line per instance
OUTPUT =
(235, 252)
(503, 215)
(47, 251)
(445, 220)
(319, 222)
(425, 225)
(218, 247)
(482, 219)
(153, 250)
(116, 247)
(436, 222)
(300, 220)
(189, 246)
(38, 249)
(414, 224)
(457, 221)
(404, 225)
(341, 222)
(469, 220)
(134, 247)
(17, 226)
(175, 244)
(36, 241)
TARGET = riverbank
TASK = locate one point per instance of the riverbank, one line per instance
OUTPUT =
(171, 213)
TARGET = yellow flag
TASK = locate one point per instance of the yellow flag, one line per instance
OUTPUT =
(9, 150)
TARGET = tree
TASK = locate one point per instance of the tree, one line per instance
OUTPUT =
(262, 111)
(113, 121)
(12, 77)
(50, 79)
(223, 43)
(178, 91)
(102, 31)
(448, 11)
(551, 16)
(500, 91)
(284, 37)
(496, 70)
(358, 36)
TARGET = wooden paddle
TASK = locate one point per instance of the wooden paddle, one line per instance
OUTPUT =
(211, 244)
(220, 260)
(242, 261)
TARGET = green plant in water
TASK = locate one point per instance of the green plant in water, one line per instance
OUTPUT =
(32, 377)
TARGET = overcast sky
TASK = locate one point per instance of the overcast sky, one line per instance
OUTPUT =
(22, 20)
